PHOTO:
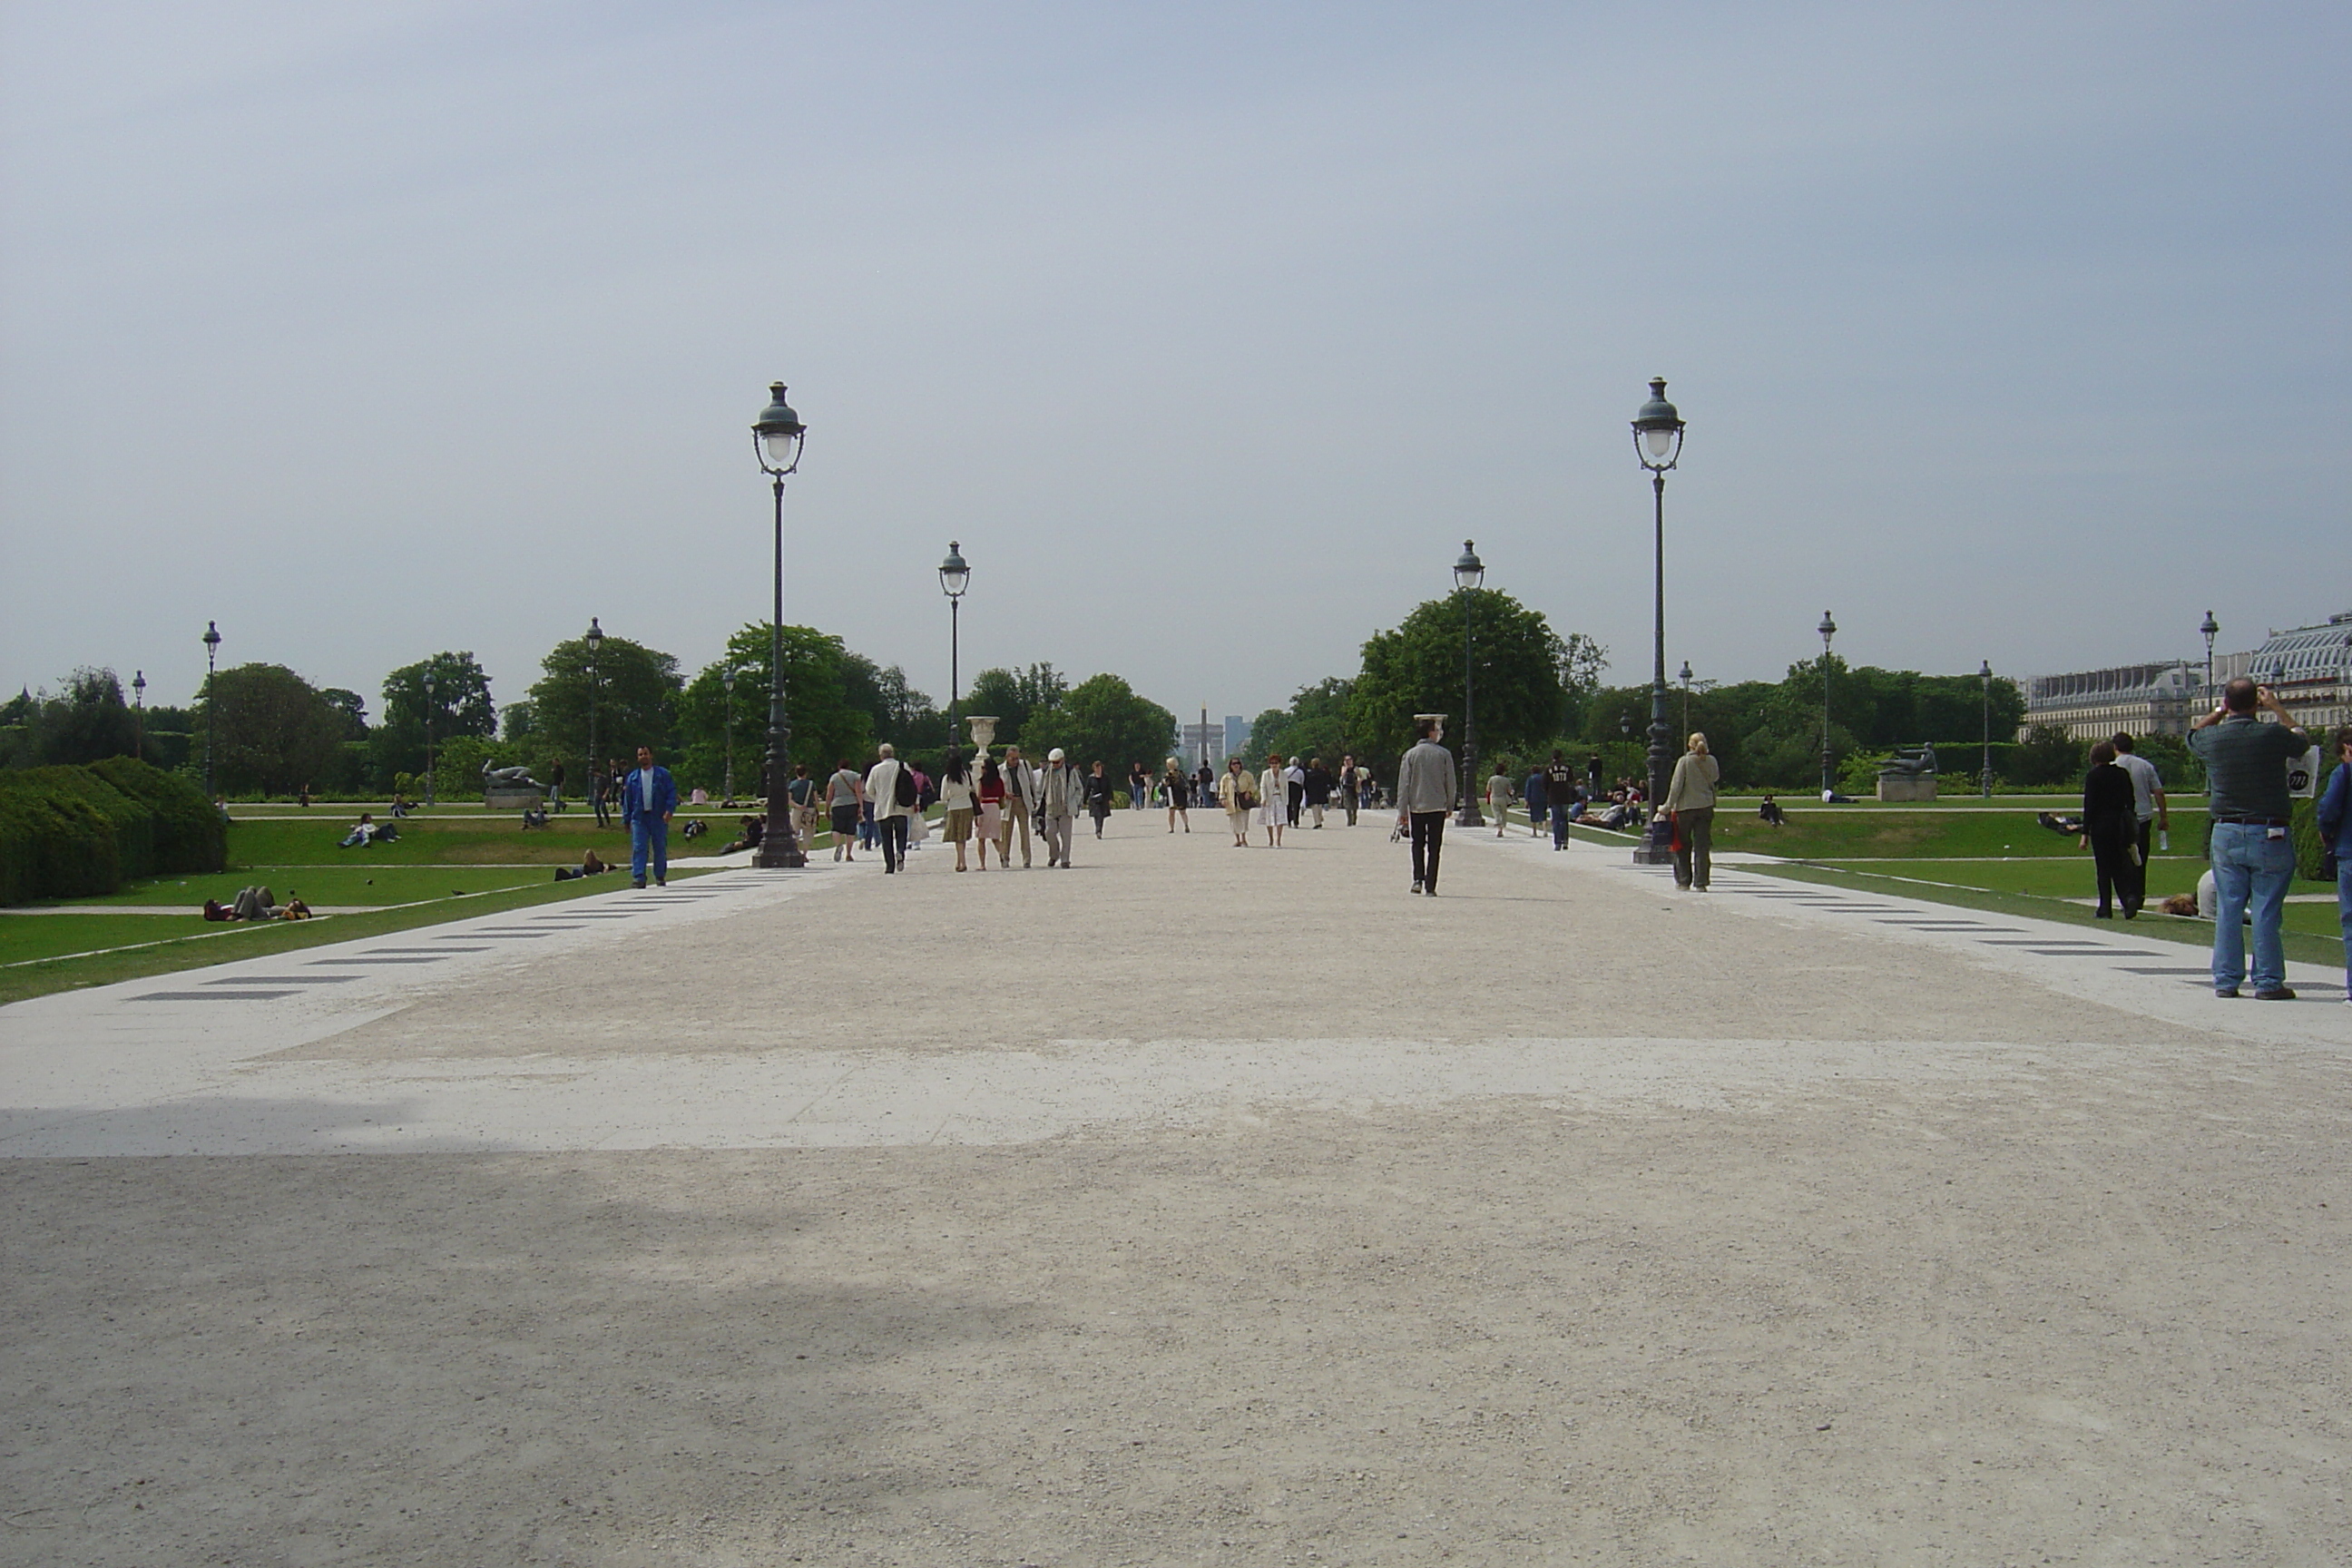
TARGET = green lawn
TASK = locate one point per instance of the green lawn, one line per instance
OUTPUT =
(1993, 858)
(187, 943)
(441, 869)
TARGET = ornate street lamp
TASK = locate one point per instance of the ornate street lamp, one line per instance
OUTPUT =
(2211, 628)
(139, 709)
(777, 438)
(1658, 445)
(596, 780)
(1986, 789)
(429, 689)
(1469, 572)
(212, 708)
(727, 681)
(1827, 628)
(1685, 679)
(954, 578)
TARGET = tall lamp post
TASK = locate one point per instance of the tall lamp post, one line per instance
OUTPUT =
(429, 694)
(727, 681)
(139, 709)
(1827, 628)
(776, 438)
(1985, 782)
(954, 578)
(1658, 445)
(597, 782)
(1685, 679)
(1469, 572)
(2211, 628)
(212, 708)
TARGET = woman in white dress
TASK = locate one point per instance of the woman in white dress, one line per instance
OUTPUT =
(1273, 800)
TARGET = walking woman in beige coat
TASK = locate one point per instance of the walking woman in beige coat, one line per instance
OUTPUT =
(1690, 801)
(1233, 796)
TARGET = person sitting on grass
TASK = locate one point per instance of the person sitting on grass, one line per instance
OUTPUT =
(363, 834)
(1770, 811)
(534, 816)
(754, 829)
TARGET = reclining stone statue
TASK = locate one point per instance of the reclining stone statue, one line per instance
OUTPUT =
(509, 778)
(1906, 764)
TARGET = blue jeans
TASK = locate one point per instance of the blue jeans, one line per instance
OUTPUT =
(2251, 871)
(648, 832)
(1559, 825)
(2344, 912)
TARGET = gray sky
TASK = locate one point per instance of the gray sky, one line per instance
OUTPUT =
(1211, 331)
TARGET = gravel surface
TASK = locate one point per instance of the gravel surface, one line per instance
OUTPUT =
(1557, 1219)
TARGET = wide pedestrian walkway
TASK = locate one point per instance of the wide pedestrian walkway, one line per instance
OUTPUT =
(1194, 1205)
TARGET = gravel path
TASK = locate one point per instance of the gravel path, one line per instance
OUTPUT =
(1195, 1205)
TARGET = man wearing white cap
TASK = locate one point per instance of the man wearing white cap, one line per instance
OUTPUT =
(1065, 796)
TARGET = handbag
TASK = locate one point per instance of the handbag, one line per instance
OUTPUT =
(1246, 799)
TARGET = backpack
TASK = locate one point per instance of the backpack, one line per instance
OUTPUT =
(903, 791)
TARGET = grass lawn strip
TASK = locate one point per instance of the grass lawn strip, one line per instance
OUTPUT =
(2302, 947)
(139, 961)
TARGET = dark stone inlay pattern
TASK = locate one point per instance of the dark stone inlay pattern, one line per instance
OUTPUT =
(222, 995)
(285, 980)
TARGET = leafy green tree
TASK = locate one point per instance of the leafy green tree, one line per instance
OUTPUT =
(353, 707)
(1516, 662)
(826, 727)
(272, 731)
(634, 692)
(1014, 695)
(1103, 720)
(895, 711)
(86, 721)
(1314, 725)
(460, 705)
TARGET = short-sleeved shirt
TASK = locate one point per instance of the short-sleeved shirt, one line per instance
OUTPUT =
(2245, 766)
(2146, 782)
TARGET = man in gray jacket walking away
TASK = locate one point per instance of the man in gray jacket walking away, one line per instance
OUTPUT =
(1424, 796)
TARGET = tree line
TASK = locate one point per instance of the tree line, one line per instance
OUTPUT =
(1534, 690)
(273, 733)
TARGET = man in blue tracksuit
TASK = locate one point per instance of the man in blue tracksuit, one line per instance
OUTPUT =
(648, 799)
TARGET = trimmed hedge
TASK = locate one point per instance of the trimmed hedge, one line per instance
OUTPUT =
(69, 832)
(189, 833)
(54, 844)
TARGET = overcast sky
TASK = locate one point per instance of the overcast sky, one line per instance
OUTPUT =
(2006, 332)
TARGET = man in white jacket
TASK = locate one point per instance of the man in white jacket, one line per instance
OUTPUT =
(890, 818)
(1424, 796)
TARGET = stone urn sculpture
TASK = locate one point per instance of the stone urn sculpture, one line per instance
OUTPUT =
(983, 732)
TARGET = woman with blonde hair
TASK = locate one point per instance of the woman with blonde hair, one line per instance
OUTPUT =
(1690, 803)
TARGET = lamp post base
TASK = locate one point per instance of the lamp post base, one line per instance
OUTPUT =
(783, 857)
(1650, 852)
